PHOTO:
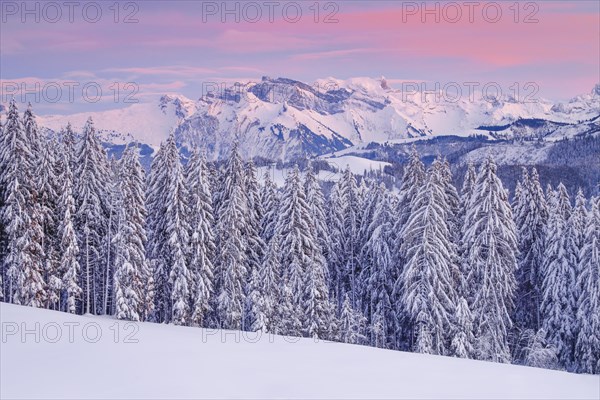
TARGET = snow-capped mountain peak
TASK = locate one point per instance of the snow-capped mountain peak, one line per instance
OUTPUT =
(280, 118)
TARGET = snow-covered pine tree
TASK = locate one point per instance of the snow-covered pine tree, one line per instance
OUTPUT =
(320, 311)
(379, 274)
(426, 283)
(202, 247)
(413, 181)
(452, 218)
(577, 224)
(177, 235)
(558, 302)
(21, 216)
(531, 216)
(337, 241)
(48, 186)
(69, 250)
(132, 277)
(587, 347)
(372, 201)
(344, 226)
(155, 225)
(255, 247)
(232, 264)
(91, 216)
(490, 240)
(469, 182)
(302, 262)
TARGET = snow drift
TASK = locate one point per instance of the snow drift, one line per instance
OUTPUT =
(48, 354)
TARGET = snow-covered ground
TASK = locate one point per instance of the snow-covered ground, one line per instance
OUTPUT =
(358, 165)
(99, 357)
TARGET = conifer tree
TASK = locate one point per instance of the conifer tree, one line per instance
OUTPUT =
(202, 238)
(490, 238)
(133, 279)
(380, 274)
(531, 216)
(587, 347)
(21, 216)
(69, 249)
(426, 283)
(232, 262)
(91, 212)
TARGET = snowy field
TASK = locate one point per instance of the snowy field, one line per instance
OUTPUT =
(94, 357)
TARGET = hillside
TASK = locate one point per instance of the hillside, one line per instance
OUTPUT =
(165, 361)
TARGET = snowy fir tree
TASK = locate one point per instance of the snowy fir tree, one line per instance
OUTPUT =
(303, 261)
(69, 264)
(490, 260)
(133, 279)
(177, 292)
(316, 203)
(232, 260)
(558, 303)
(21, 214)
(380, 275)
(426, 283)
(587, 347)
(531, 216)
(344, 266)
(91, 217)
(255, 246)
(202, 246)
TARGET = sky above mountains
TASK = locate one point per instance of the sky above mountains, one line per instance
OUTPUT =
(113, 54)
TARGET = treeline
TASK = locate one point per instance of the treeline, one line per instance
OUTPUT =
(424, 268)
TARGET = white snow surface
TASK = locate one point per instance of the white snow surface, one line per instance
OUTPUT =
(165, 361)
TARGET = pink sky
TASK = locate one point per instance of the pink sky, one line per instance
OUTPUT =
(175, 47)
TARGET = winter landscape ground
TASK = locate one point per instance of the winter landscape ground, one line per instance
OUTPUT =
(163, 361)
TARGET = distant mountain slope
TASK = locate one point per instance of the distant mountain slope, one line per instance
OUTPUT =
(99, 357)
(283, 118)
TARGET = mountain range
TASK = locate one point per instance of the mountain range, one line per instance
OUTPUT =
(281, 118)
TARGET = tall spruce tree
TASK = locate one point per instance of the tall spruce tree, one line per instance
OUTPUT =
(587, 347)
(133, 279)
(202, 247)
(21, 213)
(91, 216)
(232, 261)
(380, 274)
(531, 216)
(558, 300)
(69, 249)
(428, 293)
(490, 238)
